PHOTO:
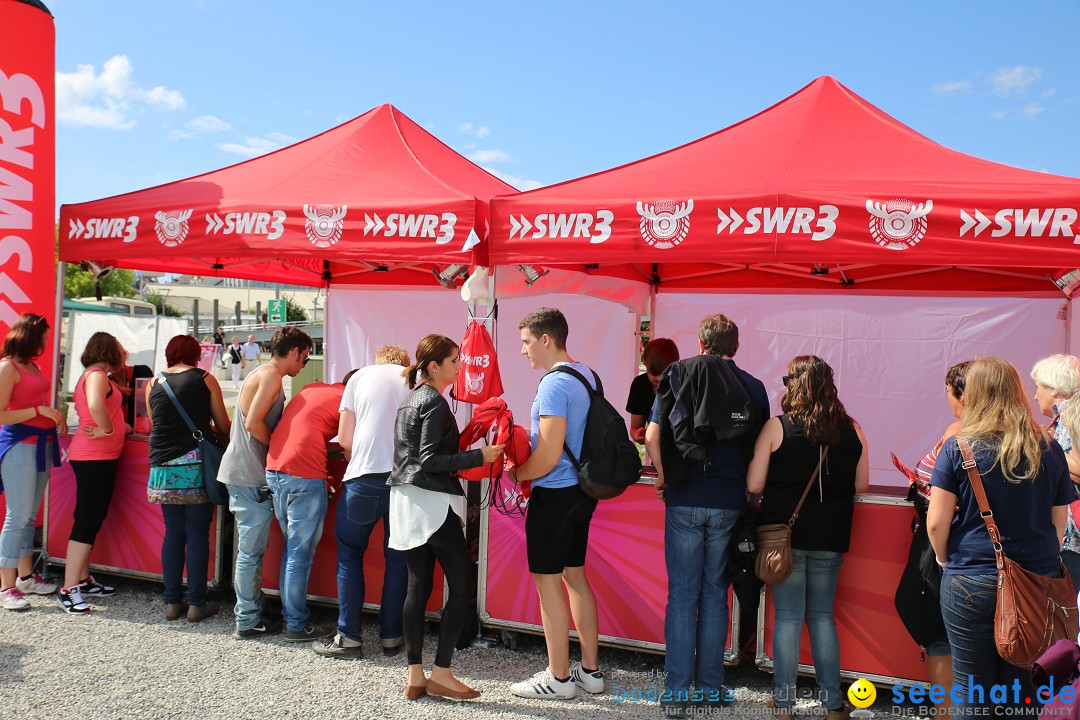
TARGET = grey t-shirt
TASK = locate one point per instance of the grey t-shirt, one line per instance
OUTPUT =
(244, 463)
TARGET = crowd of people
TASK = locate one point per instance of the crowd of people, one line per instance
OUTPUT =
(803, 467)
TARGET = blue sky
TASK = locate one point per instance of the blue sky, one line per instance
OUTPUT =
(153, 91)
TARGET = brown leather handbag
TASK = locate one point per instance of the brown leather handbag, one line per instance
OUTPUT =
(773, 562)
(1033, 611)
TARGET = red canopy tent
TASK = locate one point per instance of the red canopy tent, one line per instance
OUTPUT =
(821, 189)
(372, 200)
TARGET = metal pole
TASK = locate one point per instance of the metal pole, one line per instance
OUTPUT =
(239, 321)
(58, 318)
(195, 318)
(217, 317)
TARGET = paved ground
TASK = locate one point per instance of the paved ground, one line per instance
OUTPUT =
(124, 661)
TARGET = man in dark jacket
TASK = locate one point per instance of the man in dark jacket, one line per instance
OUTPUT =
(703, 505)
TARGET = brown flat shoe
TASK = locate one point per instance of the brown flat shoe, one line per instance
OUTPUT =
(781, 712)
(198, 613)
(434, 689)
(175, 611)
(412, 692)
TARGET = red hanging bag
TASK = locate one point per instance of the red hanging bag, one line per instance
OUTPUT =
(479, 378)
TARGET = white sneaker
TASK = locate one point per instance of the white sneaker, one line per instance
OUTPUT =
(544, 686)
(589, 682)
(36, 585)
(13, 599)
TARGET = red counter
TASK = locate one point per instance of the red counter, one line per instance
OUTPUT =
(873, 641)
(130, 539)
(625, 565)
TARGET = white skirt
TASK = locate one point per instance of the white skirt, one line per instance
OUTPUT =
(416, 514)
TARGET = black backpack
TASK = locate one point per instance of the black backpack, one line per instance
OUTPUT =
(609, 461)
(918, 592)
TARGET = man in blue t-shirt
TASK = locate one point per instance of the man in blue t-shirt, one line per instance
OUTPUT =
(700, 517)
(559, 513)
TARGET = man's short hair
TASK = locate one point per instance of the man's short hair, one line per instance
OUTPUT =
(287, 338)
(547, 321)
(392, 355)
(719, 335)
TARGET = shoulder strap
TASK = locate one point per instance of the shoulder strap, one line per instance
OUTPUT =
(817, 471)
(975, 478)
(179, 408)
(571, 371)
(592, 393)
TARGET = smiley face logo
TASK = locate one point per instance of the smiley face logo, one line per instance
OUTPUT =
(862, 693)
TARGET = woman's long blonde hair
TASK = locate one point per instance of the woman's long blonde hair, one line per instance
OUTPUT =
(997, 415)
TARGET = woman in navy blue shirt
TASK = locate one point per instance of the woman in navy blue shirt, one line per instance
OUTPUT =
(1027, 484)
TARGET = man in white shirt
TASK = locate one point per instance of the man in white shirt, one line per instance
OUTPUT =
(250, 352)
(366, 433)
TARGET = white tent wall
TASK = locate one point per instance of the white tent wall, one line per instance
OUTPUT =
(602, 335)
(144, 338)
(889, 353)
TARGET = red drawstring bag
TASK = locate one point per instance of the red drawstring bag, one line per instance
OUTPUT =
(479, 378)
(517, 451)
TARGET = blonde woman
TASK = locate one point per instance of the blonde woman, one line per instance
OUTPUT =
(1057, 378)
(1027, 484)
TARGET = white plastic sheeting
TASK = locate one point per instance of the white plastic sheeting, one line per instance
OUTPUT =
(889, 353)
(144, 338)
(360, 319)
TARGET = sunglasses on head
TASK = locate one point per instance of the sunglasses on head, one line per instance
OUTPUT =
(786, 379)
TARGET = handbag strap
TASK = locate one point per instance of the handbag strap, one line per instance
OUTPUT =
(975, 478)
(195, 432)
(817, 471)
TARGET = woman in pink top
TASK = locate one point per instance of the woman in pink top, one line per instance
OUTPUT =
(28, 435)
(94, 454)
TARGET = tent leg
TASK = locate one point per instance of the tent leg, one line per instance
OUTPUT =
(58, 318)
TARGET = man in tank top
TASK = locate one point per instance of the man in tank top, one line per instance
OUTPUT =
(243, 469)
(702, 507)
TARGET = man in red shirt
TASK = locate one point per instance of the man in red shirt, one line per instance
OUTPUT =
(296, 475)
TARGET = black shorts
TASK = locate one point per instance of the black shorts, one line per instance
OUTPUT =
(557, 528)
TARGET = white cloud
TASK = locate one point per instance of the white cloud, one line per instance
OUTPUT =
(1028, 112)
(105, 100)
(197, 127)
(518, 182)
(255, 146)
(477, 132)
(1018, 78)
(208, 124)
(489, 156)
(1048, 93)
(951, 87)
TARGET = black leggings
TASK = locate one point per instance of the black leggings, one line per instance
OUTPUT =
(447, 546)
(94, 481)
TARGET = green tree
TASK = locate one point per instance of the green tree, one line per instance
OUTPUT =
(80, 283)
(294, 311)
(163, 308)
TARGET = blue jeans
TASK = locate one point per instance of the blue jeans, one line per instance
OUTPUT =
(252, 533)
(24, 487)
(364, 501)
(300, 507)
(808, 595)
(187, 542)
(968, 603)
(696, 621)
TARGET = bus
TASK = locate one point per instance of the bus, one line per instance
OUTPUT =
(127, 306)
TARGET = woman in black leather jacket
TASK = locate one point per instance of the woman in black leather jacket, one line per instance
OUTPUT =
(427, 512)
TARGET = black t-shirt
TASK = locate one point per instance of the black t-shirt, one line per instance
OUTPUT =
(640, 399)
(824, 522)
(219, 339)
(169, 436)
